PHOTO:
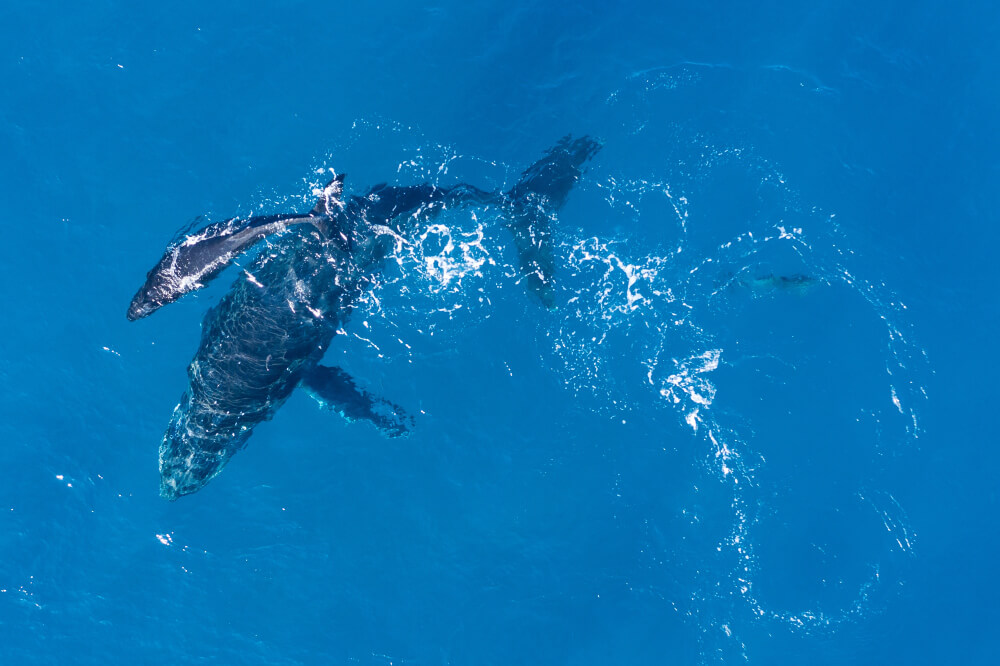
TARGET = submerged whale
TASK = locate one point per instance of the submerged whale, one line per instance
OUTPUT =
(269, 333)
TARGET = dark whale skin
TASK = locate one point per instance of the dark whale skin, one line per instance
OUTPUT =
(269, 333)
(274, 325)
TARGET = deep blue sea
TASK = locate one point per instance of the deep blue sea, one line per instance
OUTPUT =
(687, 461)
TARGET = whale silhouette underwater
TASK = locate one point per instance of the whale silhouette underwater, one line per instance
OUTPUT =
(269, 333)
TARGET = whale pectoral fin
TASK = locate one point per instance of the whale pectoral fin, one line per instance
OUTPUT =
(335, 389)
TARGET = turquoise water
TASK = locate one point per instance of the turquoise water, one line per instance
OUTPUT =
(688, 460)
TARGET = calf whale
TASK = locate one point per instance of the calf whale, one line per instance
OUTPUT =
(268, 334)
(199, 257)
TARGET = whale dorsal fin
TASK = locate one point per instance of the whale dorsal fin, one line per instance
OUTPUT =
(330, 197)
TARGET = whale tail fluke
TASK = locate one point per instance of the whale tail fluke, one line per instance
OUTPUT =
(534, 200)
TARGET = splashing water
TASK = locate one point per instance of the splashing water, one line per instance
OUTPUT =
(698, 328)
(674, 312)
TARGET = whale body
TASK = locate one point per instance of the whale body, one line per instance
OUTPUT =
(268, 334)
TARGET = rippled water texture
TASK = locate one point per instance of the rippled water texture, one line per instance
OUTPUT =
(753, 430)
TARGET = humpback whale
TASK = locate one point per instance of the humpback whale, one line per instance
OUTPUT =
(268, 334)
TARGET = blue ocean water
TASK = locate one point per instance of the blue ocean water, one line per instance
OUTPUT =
(685, 462)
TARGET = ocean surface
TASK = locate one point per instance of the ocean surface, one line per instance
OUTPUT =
(688, 461)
